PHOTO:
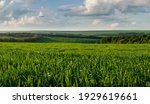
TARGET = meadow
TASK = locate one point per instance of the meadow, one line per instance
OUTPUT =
(74, 65)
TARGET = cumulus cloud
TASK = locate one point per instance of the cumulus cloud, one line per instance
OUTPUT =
(2, 3)
(13, 7)
(114, 25)
(133, 22)
(22, 21)
(18, 13)
(107, 7)
(41, 14)
(5, 3)
(117, 12)
(96, 22)
(94, 13)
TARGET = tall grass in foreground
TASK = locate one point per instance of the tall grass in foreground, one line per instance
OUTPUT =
(70, 65)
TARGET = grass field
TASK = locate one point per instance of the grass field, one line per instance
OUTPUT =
(68, 64)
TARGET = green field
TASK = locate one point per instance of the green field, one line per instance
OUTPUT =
(91, 37)
(70, 64)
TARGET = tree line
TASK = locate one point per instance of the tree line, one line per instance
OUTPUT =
(139, 39)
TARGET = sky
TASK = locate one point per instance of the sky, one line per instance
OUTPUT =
(74, 14)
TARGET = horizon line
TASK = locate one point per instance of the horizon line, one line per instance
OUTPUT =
(49, 30)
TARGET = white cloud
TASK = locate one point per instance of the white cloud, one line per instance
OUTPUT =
(17, 13)
(114, 25)
(107, 7)
(2, 3)
(96, 22)
(92, 13)
(41, 14)
(22, 21)
(118, 12)
(133, 22)
(97, 7)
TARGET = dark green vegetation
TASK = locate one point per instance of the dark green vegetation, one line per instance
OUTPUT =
(62, 64)
(123, 37)
(126, 39)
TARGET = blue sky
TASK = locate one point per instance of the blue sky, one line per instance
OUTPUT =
(74, 14)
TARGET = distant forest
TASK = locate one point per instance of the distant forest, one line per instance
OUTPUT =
(126, 39)
(118, 38)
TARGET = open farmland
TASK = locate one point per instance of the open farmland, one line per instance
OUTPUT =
(100, 37)
(70, 64)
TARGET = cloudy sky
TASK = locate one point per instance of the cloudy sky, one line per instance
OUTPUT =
(74, 14)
